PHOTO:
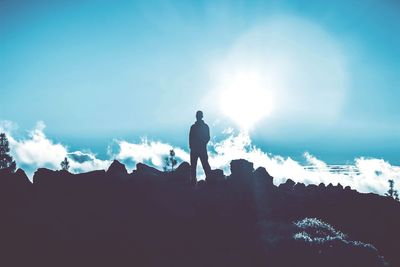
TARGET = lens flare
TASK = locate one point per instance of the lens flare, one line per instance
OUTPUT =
(245, 98)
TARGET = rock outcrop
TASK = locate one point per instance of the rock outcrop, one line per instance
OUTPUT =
(154, 218)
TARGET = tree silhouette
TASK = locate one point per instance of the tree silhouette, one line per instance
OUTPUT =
(6, 161)
(65, 164)
(392, 192)
(170, 161)
(166, 164)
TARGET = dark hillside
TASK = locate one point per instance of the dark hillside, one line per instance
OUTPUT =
(152, 218)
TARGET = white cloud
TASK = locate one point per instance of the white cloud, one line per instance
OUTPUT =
(151, 152)
(364, 175)
(37, 151)
(86, 161)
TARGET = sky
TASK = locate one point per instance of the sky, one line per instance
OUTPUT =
(300, 80)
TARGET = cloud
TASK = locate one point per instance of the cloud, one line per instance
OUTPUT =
(364, 175)
(150, 152)
(79, 156)
(86, 161)
(38, 151)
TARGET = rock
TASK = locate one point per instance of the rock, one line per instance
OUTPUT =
(262, 177)
(182, 173)
(64, 213)
(144, 170)
(43, 175)
(215, 177)
(241, 168)
(312, 187)
(339, 187)
(14, 184)
(92, 175)
(330, 187)
(21, 177)
(201, 184)
(288, 185)
(117, 169)
(348, 189)
(299, 187)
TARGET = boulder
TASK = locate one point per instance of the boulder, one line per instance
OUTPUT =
(339, 187)
(201, 183)
(21, 178)
(288, 185)
(215, 177)
(182, 173)
(117, 169)
(144, 170)
(330, 187)
(43, 175)
(241, 168)
(13, 183)
(263, 178)
(299, 187)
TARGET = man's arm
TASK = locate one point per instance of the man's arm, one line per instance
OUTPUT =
(208, 134)
(191, 137)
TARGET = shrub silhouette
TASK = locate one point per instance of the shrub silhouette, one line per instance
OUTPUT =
(170, 161)
(6, 161)
(65, 164)
(392, 192)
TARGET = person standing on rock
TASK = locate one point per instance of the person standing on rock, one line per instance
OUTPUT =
(199, 136)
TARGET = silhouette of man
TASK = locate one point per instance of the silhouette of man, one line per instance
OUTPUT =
(198, 138)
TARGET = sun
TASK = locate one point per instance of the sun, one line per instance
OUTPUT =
(245, 98)
(287, 69)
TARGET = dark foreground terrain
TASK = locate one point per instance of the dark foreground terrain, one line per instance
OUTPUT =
(151, 218)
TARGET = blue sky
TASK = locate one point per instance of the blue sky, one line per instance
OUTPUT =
(94, 71)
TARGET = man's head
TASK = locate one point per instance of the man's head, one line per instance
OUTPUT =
(199, 115)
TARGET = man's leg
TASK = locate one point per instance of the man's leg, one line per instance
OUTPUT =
(204, 163)
(193, 166)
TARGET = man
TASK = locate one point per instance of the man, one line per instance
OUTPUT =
(198, 138)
